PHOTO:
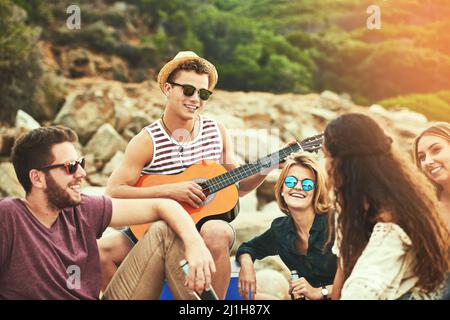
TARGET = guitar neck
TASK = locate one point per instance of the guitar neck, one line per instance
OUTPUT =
(224, 180)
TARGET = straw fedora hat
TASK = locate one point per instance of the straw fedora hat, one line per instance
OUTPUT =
(181, 58)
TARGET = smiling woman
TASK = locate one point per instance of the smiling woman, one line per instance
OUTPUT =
(301, 237)
(432, 156)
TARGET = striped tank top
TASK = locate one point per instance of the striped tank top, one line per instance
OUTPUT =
(172, 157)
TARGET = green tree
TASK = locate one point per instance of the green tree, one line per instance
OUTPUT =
(19, 61)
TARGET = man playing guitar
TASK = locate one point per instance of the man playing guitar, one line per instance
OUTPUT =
(169, 145)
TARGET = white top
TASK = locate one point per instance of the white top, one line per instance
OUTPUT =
(172, 157)
(384, 269)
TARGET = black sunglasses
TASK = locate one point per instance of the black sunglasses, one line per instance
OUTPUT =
(71, 166)
(189, 90)
(291, 182)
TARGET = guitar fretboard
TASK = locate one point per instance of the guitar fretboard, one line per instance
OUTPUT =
(224, 180)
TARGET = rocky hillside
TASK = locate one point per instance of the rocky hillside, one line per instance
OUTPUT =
(107, 113)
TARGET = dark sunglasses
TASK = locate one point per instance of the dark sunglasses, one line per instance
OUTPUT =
(291, 182)
(71, 166)
(189, 90)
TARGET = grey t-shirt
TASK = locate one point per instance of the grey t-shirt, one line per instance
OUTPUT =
(61, 262)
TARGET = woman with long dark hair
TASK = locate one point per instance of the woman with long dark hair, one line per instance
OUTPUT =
(391, 240)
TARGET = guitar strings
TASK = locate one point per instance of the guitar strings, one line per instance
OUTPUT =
(249, 169)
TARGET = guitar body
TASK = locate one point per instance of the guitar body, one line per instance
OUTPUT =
(220, 205)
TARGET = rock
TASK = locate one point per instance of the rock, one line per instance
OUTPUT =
(7, 137)
(258, 120)
(331, 101)
(408, 131)
(138, 121)
(254, 144)
(308, 131)
(273, 263)
(113, 163)
(271, 285)
(272, 209)
(97, 180)
(9, 184)
(408, 116)
(78, 63)
(85, 112)
(111, 68)
(248, 203)
(228, 120)
(377, 109)
(105, 143)
(400, 115)
(123, 117)
(266, 191)
(291, 129)
(49, 96)
(323, 114)
(294, 104)
(92, 164)
(25, 122)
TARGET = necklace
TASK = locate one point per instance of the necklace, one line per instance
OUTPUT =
(182, 133)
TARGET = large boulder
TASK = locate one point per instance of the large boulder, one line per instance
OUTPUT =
(25, 122)
(85, 112)
(115, 161)
(105, 143)
(138, 121)
(331, 101)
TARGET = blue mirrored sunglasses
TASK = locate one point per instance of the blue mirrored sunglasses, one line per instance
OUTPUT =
(291, 182)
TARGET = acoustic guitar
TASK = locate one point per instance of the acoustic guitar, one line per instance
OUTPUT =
(219, 185)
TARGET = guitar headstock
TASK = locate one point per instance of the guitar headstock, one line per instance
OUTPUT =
(313, 143)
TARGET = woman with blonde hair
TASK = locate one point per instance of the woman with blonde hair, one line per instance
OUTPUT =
(391, 240)
(301, 237)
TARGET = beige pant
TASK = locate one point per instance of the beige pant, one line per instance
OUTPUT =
(154, 258)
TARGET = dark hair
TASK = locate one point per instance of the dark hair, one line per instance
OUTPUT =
(369, 176)
(191, 65)
(33, 150)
